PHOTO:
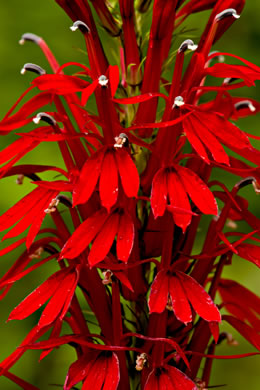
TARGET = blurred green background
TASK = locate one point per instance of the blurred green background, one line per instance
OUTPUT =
(45, 18)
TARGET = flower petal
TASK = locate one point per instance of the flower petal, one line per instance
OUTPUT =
(198, 191)
(128, 173)
(159, 193)
(88, 178)
(84, 234)
(125, 237)
(159, 293)
(104, 240)
(108, 182)
(180, 304)
(199, 298)
(178, 198)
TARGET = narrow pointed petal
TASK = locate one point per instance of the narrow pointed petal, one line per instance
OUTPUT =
(59, 83)
(88, 91)
(245, 330)
(125, 237)
(104, 240)
(209, 140)
(199, 298)
(198, 191)
(179, 380)
(159, 293)
(159, 193)
(178, 198)
(128, 173)
(37, 298)
(88, 178)
(250, 252)
(108, 182)
(194, 140)
(180, 304)
(84, 234)
(79, 369)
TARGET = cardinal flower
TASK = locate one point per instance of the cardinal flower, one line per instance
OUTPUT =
(105, 165)
(176, 182)
(30, 210)
(177, 292)
(98, 371)
(59, 287)
(102, 228)
(170, 378)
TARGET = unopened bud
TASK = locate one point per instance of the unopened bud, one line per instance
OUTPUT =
(121, 140)
(103, 80)
(231, 224)
(141, 361)
(187, 45)
(81, 26)
(256, 186)
(230, 340)
(43, 116)
(201, 384)
(226, 14)
(33, 68)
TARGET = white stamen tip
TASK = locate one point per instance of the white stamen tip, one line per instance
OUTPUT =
(73, 28)
(23, 71)
(103, 80)
(178, 101)
(21, 42)
(36, 120)
(251, 107)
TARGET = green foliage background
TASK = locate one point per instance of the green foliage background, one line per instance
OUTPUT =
(45, 18)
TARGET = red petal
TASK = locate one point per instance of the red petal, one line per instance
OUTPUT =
(159, 293)
(140, 98)
(194, 140)
(198, 191)
(88, 178)
(108, 182)
(79, 369)
(178, 198)
(83, 235)
(128, 173)
(104, 240)
(37, 298)
(179, 380)
(209, 140)
(104, 374)
(113, 78)
(199, 298)
(250, 252)
(180, 304)
(59, 83)
(87, 92)
(245, 330)
(55, 306)
(214, 329)
(159, 193)
(125, 237)
(234, 71)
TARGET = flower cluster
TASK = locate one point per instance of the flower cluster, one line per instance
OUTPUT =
(139, 147)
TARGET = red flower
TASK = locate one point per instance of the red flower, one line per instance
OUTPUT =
(105, 165)
(102, 228)
(169, 378)
(175, 182)
(59, 287)
(177, 291)
(98, 371)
